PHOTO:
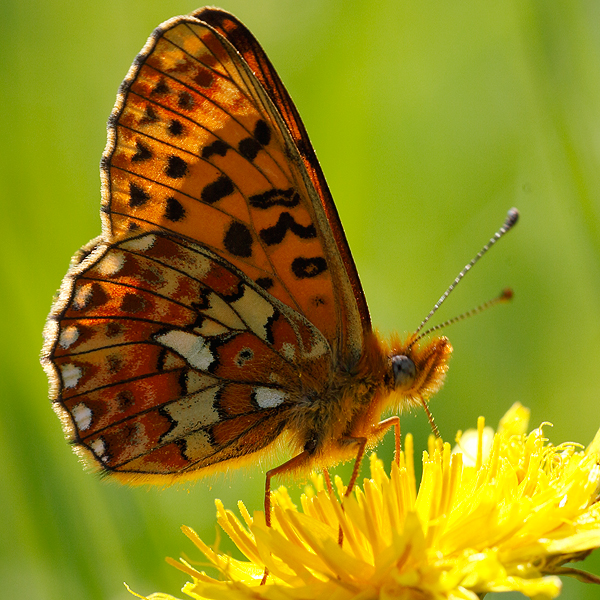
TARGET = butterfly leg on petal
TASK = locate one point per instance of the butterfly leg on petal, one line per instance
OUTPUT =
(384, 426)
(327, 478)
(331, 493)
(289, 465)
(361, 442)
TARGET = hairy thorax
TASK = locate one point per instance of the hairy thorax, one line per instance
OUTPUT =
(329, 423)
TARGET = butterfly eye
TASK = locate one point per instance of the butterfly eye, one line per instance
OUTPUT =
(404, 371)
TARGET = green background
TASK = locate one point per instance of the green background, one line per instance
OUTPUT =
(431, 119)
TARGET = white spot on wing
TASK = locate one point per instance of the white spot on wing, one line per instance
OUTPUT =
(111, 264)
(255, 311)
(192, 347)
(269, 397)
(192, 413)
(82, 415)
(71, 374)
(99, 449)
(140, 244)
(288, 350)
(82, 296)
(68, 336)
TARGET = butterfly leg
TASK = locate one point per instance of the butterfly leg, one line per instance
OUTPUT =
(384, 426)
(330, 490)
(289, 465)
(381, 427)
(362, 444)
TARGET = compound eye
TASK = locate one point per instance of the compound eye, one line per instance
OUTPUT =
(404, 371)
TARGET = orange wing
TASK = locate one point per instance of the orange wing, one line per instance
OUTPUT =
(205, 142)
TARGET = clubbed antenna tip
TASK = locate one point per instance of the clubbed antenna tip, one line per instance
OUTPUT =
(511, 220)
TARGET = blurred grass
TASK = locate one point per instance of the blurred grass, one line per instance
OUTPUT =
(431, 119)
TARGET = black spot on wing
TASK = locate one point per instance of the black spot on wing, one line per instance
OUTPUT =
(161, 89)
(249, 148)
(265, 282)
(238, 240)
(275, 197)
(218, 189)
(185, 100)
(142, 154)
(137, 195)
(262, 133)
(176, 167)
(218, 147)
(150, 115)
(132, 304)
(113, 329)
(305, 268)
(125, 400)
(114, 362)
(174, 210)
(243, 356)
(275, 234)
(175, 128)
(204, 77)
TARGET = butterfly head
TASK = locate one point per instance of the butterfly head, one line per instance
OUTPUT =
(418, 370)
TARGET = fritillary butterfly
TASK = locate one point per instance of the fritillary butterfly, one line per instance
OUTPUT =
(220, 314)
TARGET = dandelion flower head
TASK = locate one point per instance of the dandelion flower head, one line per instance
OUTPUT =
(499, 512)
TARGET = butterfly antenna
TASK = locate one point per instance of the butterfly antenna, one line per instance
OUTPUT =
(505, 296)
(511, 219)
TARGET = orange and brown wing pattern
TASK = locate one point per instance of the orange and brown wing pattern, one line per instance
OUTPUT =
(200, 146)
(166, 359)
(260, 65)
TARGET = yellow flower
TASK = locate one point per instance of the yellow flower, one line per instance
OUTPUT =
(500, 512)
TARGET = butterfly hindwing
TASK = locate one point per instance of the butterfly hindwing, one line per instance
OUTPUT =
(168, 359)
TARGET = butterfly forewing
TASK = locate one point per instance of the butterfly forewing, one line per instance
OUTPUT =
(198, 148)
(257, 61)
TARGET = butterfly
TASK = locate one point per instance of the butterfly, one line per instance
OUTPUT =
(219, 317)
